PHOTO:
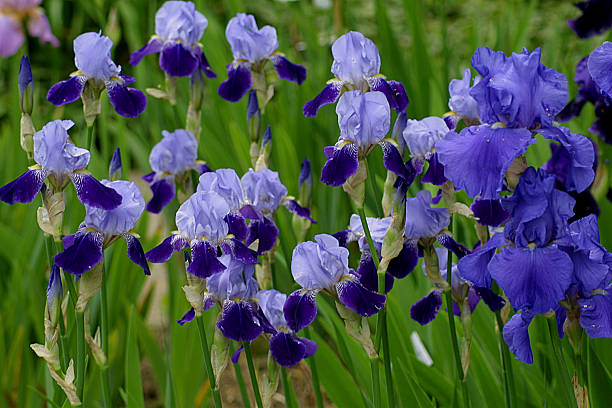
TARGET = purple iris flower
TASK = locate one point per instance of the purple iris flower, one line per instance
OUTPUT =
(356, 66)
(96, 68)
(596, 18)
(323, 265)
(461, 103)
(286, 347)
(364, 120)
(178, 29)
(265, 193)
(171, 159)
(421, 137)
(12, 12)
(84, 249)
(599, 64)
(60, 162)
(516, 96)
(202, 226)
(252, 48)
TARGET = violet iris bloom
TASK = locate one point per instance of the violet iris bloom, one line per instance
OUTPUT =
(95, 68)
(463, 105)
(84, 249)
(178, 29)
(171, 160)
(356, 66)
(323, 266)
(596, 18)
(286, 347)
(252, 47)
(364, 120)
(12, 12)
(516, 97)
(60, 162)
(421, 137)
(202, 226)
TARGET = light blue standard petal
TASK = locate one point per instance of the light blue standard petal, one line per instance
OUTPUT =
(121, 219)
(363, 118)
(248, 42)
(226, 183)
(55, 153)
(180, 21)
(271, 303)
(263, 189)
(175, 153)
(355, 58)
(202, 216)
(92, 56)
(320, 264)
(476, 160)
(600, 67)
(534, 279)
(422, 135)
(461, 102)
(421, 219)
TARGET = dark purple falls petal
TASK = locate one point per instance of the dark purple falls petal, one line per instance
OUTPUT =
(329, 94)
(300, 309)
(426, 309)
(204, 65)
(128, 102)
(136, 253)
(596, 18)
(176, 60)
(400, 96)
(91, 192)
(358, 298)
(237, 83)
(394, 92)
(24, 188)
(366, 273)
(489, 212)
(239, 251)
(435, 171)
(205, 262)
(287, 349)
(66, 91)
(266, 231)
(153, 46)
(163, 252)
(236, 355)
(474, 267)
(84, 253)
(295, 208)
(237, 225)
(405, 262)
(187, 317)
(287, 70)
(342, 164)
(392, 160)
(491, 299)
(456, 248)
(164, 191)
(238, 321)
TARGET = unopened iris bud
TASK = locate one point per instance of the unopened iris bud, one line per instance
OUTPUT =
(253, 116)
(115, 168)
(26, 86)
(305, 183)
(54, 294)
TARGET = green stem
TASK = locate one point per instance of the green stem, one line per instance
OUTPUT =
(90, 136)
(207, 363)
(62, 348)
(315, 375)
(80, 363)
(560, 358)
(254, 383)
(504, 360)
(104, 374)
(287, 390)
(243, 392)
(375, 371)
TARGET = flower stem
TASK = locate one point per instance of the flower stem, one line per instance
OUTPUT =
(243, 392)
(560, 361)
(254, 383)
(207, 363)
(80, 363)
(506, 364)
(104, 331)
(90, 136)
(287, 390)
(315, 375)
(451, 326)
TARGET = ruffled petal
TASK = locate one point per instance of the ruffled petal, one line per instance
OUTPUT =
(136, 253)
(176, 60)
(300, 309)
(237, 83)
(426, 309)
(343, 163)
(84, 253)
(516, 336)
(287, 70)
(238, 321)
(329, 94)
(164, 191)
(24, 188)
(153, 46)
(394, 92)
(66, 91)
(91, 192)
(265, 231)
(128, 102)
(287, 349)
(474, 267)
(535, 279)
(358, 298)
(596, 313)
(204, 260)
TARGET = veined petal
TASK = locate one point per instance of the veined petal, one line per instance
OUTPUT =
(237, 83)
(329, 94)
(237, 225)
(128, 102)
(405, 262)
(295, 208)
(426, 309)
(204, 65)
(66, 91)
(596, 313)
(535, 279)
(392, 160)
(265, 231)
(154, 45)
(287, 70)
(176, 60)
(240, 251)
(91, 192)
(84, 253)
(394, 92)
(287, 349)
(187, 317)
(163, 252)
(435, 171)
(164, 191)
(24, 188)
(343, 163)
(300, 309)
(136, 253)
(358, 298)
(492, 300)
(238, 321)
(474, 267)
(204, 260)
(516, 335)
(366, 273)
(489, 212)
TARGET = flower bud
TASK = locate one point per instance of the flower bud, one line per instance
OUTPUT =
(26, 86)
(26, 134)
(358, 328)
(115, 168)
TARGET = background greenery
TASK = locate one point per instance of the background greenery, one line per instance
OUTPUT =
(155, 362)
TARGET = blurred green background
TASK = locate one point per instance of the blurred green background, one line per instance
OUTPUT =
(423, 43)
